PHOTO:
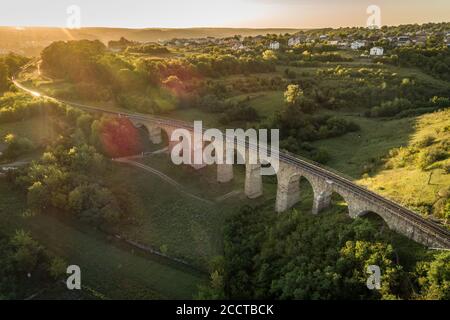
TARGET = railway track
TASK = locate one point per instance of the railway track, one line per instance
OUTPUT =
(286, 157)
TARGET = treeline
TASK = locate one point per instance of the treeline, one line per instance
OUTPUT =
(230, 111)
(99, 75)
(345, 88)
(26, 267)
(214, 65)
(434, 61)
(305, 257)
(405, 108)
(148, 48)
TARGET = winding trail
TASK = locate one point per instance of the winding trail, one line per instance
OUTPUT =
(164, 177)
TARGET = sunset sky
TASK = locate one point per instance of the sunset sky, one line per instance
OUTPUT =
(221, 13)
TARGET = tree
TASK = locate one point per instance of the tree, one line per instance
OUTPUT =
(27, 251)
(293, 94)
(57, 268)
(433, 277)
(117, 137)
(269, 55)
(37, 197)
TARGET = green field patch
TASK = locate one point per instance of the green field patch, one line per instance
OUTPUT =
(38, 129)
(349, 153)
(108, 267)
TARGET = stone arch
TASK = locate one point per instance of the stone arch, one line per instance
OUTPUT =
(375, 214)
(352, 201)
(322, 191)
(339, 199)
(154, 131)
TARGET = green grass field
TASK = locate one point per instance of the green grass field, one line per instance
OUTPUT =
(349, 153)
(188, 228)
(37, 129)
(410, 184)
(109, 268)
(266, 103)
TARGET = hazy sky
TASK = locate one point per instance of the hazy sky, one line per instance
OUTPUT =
(221, 13)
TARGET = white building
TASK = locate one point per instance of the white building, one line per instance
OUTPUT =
(295, 41)
(274, 45)
(358, 44)
(376, 51)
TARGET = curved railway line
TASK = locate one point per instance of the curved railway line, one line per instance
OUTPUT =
(286, 157)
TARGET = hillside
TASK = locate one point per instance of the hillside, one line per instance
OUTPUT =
(418, 174)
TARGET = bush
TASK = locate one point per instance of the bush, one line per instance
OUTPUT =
(16, 146)
(430, 156)
(391, 108)
(239, 113)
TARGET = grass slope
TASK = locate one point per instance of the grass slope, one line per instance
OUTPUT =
(108, 268)
(404, 180)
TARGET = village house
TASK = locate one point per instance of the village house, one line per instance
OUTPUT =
(376, 51)
(403, 41)
(358, 44)
(274, 45)
(294, 41)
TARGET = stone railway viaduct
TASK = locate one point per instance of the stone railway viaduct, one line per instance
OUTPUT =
(324, 183)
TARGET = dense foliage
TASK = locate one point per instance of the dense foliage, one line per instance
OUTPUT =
(9, 65)
(26, 267)
(70, 174)
(300, 256)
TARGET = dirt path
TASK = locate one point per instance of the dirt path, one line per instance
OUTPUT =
(162, 176)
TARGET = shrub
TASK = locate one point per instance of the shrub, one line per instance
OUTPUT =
(430, 156)
(425, 142)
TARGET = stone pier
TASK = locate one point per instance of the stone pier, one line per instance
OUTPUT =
(224, 173)
(253, 181)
